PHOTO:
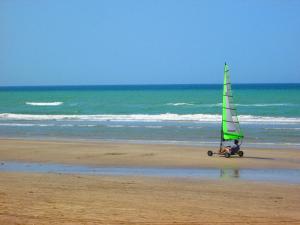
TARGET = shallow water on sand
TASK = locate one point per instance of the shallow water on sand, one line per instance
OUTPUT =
(269, 175)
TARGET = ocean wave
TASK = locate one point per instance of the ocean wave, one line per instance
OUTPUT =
(194, 104)
(87, 125)
(283, 128)
(115, 126)
(209, 105)
(240, 105)
(195, 127)
(265, 105)
(44, 103)
(25, 125)
(213, 118)
(154, 127)
(44, 125)
(180, 104)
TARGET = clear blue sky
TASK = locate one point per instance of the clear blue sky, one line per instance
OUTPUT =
(61, 42)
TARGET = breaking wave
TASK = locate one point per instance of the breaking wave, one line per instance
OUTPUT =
(283, 128)
(44, 125)
(180, 104)
(194, 104)
(211, 118)
(266, 105)
(240, 105)
(44, 103)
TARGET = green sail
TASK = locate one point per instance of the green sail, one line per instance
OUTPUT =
(230, 125)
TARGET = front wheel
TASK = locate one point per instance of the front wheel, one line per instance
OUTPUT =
(227, 155)
(240, 153)
(209, 153)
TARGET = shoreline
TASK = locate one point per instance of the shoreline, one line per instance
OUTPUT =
(273, 146)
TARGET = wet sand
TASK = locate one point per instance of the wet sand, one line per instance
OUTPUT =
(143, 155)
(45, 198)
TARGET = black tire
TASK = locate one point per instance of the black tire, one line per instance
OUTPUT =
(227, 155)
(210, 153)
(240, 153)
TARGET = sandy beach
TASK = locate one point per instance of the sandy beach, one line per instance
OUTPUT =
(113, 112)
(75, 199)
(47, 198)
(145, 155)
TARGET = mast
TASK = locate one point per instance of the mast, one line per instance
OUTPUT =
(222, 138)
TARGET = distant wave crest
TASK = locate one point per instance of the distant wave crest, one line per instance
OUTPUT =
(265, 105)
(44, 103)
(43, 125)
(213, 118)
(193, 104)
(283, 128)
(179, 104)
(220, 104)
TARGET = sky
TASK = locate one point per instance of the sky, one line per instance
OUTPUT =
(98, 42)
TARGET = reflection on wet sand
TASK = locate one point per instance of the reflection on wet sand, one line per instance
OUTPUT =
(229, 173)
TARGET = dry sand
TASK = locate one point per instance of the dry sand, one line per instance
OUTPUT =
(75, 199)
(36, 198)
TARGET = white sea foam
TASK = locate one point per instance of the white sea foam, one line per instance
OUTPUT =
(194, 104)
(209, 105)
(25, 125)
(148, 118)
(154, 127)
(44, 103)
(179, 104)
(283, 128)
(116, 126)
(195, 127)
(44, 125)
(265, 105)
(87, 125)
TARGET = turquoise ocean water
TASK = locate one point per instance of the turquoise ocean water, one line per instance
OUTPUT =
(189, 114)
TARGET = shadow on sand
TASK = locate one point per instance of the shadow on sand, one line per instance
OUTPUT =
(248, 157)
(262, 158)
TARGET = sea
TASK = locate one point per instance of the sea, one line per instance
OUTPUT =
(269, 114)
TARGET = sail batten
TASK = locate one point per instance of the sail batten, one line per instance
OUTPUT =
(230, 123)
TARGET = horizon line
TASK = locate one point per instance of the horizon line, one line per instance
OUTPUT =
(162, 84)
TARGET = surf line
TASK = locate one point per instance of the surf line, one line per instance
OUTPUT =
(44, 103)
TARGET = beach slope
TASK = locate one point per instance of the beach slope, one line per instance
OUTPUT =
(49, 198)
(144, 155)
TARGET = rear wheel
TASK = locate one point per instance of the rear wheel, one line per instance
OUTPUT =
(240, 153)
(227, 155)
(209, 153)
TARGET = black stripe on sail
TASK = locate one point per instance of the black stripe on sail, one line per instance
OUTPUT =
(228, 95)
(232, 131)
(229, 121)
(229, 108)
